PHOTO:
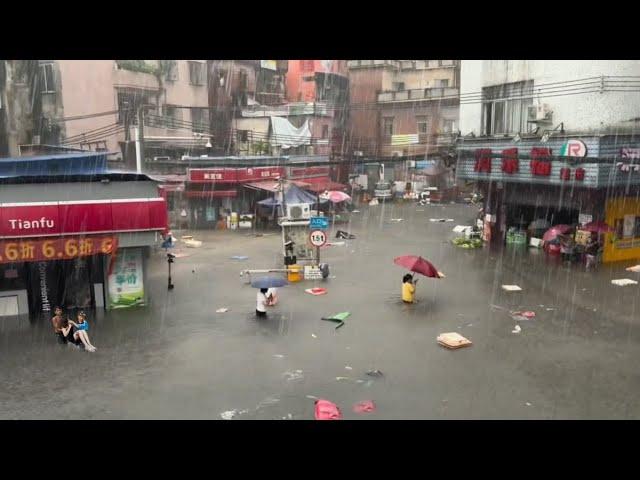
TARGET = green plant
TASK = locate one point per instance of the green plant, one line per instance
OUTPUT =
(138, 66)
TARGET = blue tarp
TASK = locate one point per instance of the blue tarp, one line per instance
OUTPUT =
(56, 164)
(293, 194)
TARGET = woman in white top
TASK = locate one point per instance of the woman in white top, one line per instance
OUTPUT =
(272, 297)
(261, 303)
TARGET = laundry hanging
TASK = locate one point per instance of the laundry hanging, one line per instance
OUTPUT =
(285, 135)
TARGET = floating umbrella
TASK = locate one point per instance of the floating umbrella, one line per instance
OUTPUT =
(552, 234)
(335, 196)
(418, 265)
(269, 282)
(597, 227)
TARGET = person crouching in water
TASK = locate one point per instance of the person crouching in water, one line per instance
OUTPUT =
(408, 288)
(80, 333)
(261, 302)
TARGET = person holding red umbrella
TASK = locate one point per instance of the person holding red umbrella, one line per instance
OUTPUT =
(415, 264)
(408, 288)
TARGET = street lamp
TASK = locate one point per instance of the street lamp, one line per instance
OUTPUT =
(170, 257)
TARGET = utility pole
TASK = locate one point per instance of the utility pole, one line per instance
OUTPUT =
(140, 139)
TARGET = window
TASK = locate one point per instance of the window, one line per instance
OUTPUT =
(243, 80)
(172, 70)
(243, 136)
(196, 73)
(47, 83)
(448, 126)
(173, 116)
(442, 83)
(200, 119)
(130, 100)
(423, 125)
(387, 126)
(446, 63)
(504, 109)
(398, 86)
(325, 131)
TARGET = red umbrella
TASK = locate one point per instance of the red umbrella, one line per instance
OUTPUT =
(597, 227)
(418, 265)
(556, 230)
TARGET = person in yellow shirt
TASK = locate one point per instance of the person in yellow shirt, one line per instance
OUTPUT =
(408, 288)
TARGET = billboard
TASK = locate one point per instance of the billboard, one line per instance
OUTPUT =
(126, 280)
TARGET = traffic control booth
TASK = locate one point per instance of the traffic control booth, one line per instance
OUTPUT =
(78, 241)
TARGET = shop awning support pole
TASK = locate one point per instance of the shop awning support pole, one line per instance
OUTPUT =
(140, 140)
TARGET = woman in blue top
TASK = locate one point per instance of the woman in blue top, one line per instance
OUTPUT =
(82, 327)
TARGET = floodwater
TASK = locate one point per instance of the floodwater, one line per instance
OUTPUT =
(178, 359)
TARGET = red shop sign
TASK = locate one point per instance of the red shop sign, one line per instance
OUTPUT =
(259, 173)
(55, 249)
(18, 220)
(212, 175)
(310, 172)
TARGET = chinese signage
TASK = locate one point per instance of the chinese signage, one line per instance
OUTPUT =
(573, 148)
(309, 172)
(625, 167)
(233, 175)
(55, 249)
(90, 216)
(125, 282)
(409, 139)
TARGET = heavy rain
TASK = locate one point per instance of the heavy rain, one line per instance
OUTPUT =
(319, 239)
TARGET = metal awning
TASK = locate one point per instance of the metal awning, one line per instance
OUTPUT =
(273, 186)
(320, 184)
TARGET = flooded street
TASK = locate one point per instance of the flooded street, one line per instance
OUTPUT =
(179, 359)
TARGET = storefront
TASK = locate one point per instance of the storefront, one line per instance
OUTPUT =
(213, 194)
(525, 188)
(79, 241)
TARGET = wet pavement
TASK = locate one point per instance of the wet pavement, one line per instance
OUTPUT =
(178, 359)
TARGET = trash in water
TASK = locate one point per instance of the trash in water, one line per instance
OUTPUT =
(621, 282)
(295, 375)
(373, 202)
(453, 340)
(517, 329)
(347, 367)
(335, 244)
(326, 410)
(316, 291)
(355, 211)
(239, 257)
(396, 219)
(222, 310)
(511, 288)
(461, 228)
(635, 268)
(312, 397)
(527, 404)
(375, 373)
(365, 406)
(344, 235)
(229, 414)
(314, 335)
(337, 318)
(519, 316)
(278, 355)
(340, 379)
(193, 243)
(442, 220)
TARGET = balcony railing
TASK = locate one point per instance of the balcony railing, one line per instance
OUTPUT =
(440, 93)
(299, 108)
(372, 63)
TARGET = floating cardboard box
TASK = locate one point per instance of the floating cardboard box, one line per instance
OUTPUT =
(453, 340)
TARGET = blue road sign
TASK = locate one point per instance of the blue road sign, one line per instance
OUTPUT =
(319, 223)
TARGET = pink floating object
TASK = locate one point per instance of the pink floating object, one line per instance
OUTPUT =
(316, 291)
(326, 410)
(365, 406)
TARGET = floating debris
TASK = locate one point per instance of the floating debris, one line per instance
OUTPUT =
(516, 329)
(621, 282)
(222, 310)
(278, 355)
(375, 373)
(366, 406)
(239, 257)
(295, 375)
(511, 288)
(347, 367)
(453, 340)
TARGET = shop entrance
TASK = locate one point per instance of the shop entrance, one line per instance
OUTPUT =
(521, 216)
(67, 283)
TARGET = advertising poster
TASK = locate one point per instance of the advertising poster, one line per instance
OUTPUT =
(126, 287)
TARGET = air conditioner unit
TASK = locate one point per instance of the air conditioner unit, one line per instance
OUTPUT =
(298, 211)
(161, 159)
(536, 113)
